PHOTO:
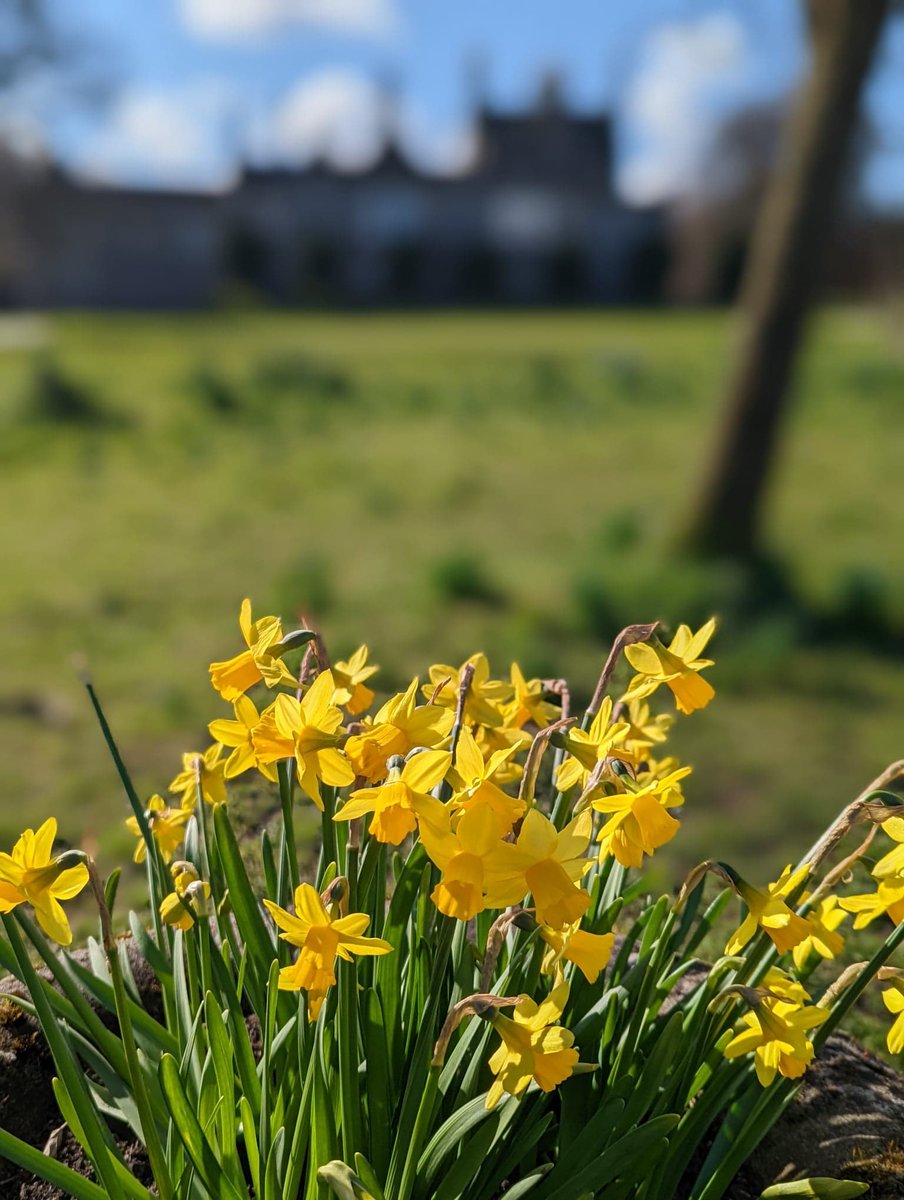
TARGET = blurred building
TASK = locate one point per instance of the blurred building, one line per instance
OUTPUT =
(533, 219)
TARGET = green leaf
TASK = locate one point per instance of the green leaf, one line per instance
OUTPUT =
(530, 1181)
(248, 916)
(368, 1177)
(377, 1080)
(447, 1138)
(820, 1187)
(192, 1135)
(151, 952)
(469, 1161)
(643, 1145)
(44, 1167)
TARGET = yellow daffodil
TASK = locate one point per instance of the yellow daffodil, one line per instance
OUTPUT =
(528, 703)
(460, 855)
(893, 999)
(769, 912)
(639, 822)
(776, 1030)
(893, 862)
(473, 782)
(395, 802)
(644, 729)
(32, 875)
(887, 899)
(201, 771)
(677, 665)
(238, 735)
(547, 863)
(485, 699)
(309, 730)
(533, 1047)
(822, 936)
(349, 677)
(396, 729)
(590, 952)
(491, 740)
(260, 661)
(589, 747)
(167, 826)
(188, 901)
(321, 938)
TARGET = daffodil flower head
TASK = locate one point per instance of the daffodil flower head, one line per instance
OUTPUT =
(308, 729)
(473, 782)
(677, 665)
(769, 912)
(189, 900)
(238, 735)
(261, 660)
(886, 900)
(167, 826)
(534, 1048)
(546, 862)
(587, 749)
(485, 699)
(590, 952)
(528, 703)
(321, 936)
(397, 728)
(639, 821)
(823, 937)
(202, 774)
(893, 999)
(461, 855)
(31, 874)
(396, 802)
(349, 678)
(776, 1030)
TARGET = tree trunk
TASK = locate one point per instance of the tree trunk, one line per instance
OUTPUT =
(783, 268)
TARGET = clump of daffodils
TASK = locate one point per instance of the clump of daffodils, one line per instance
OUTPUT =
(464, 990)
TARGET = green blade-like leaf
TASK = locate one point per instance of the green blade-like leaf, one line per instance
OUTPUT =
(44, 1167)
(192, 1135)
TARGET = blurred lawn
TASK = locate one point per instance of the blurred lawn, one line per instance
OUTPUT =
(436, 484)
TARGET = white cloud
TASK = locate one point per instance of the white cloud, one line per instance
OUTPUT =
(344, 118)
(198, 134)
(230, 20)
(175, 139)
(335, 115)
(690, 74)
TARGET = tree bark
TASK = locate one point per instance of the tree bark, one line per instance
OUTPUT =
(783, 269)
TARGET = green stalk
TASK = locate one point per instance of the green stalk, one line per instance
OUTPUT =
(129, 788)
(420, 1056)
(156, 1155)
(419, 1133)
(350, 1087)
(328, 852)
(70, 1074)
(289, 852)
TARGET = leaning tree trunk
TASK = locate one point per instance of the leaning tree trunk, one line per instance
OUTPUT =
(788, 249)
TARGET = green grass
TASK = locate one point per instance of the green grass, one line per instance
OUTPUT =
(435, 484)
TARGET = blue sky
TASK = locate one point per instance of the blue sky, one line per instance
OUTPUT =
(198, 85)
